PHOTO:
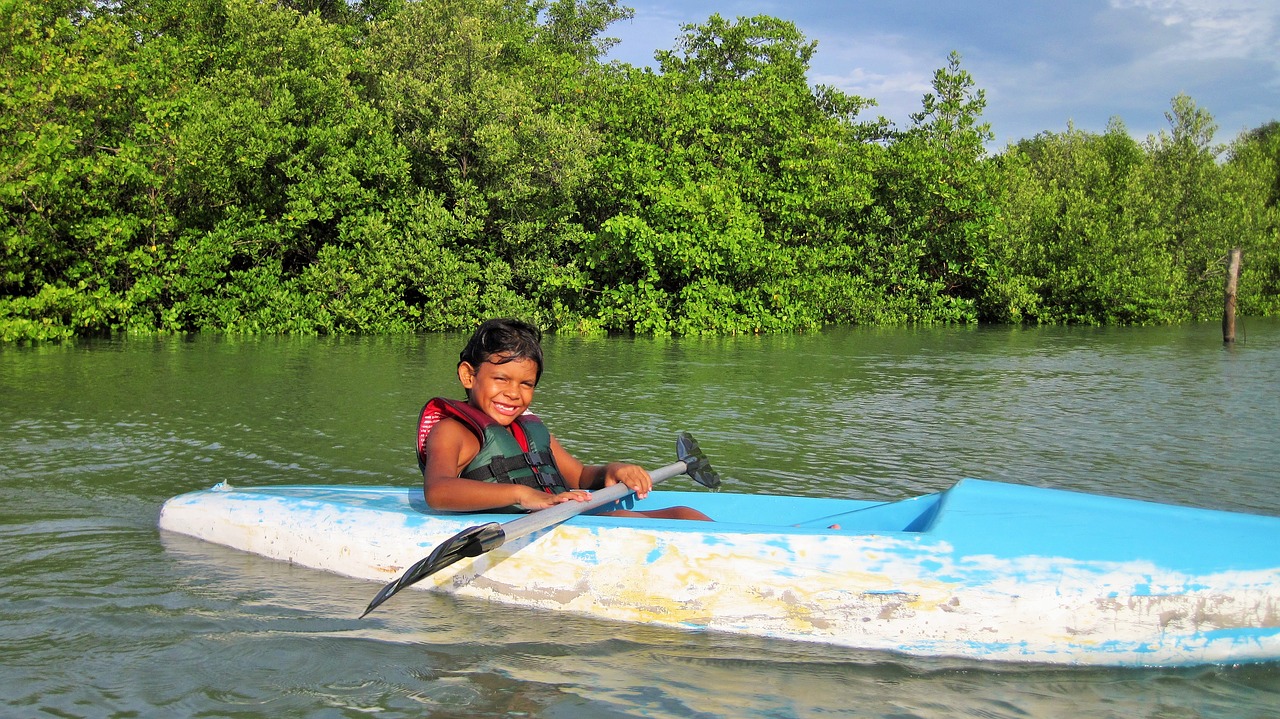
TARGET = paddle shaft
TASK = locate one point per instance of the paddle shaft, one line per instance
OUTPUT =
(536, 521)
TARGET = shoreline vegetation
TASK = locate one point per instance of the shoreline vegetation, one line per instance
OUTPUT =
(386, 166)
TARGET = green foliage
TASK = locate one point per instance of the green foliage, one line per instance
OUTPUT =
(1105, 230)
(574, 27)
(1252, 195)
(935, 211)
(1080, 246)
(729, 170)
(317, 166)
(90, 112)
(478, 94)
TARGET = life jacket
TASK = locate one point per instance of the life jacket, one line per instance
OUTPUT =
(521, 455)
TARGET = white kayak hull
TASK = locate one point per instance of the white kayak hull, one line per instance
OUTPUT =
(984, 570)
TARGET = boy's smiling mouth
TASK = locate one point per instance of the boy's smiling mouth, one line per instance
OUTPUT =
(507, 409)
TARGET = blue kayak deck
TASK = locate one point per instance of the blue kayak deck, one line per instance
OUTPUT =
(979, 517)
(975, 517)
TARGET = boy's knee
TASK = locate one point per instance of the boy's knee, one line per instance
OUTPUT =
(690, 513)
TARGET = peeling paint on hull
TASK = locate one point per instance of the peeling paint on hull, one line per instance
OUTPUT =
(984, 570)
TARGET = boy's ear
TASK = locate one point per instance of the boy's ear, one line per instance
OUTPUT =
(466, 374)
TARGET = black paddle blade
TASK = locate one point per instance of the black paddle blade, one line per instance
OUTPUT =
(688, 451)
(470, 542)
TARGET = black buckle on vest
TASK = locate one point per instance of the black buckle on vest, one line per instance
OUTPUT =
(546, 480)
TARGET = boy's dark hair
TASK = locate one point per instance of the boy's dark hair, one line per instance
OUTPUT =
(501, 341)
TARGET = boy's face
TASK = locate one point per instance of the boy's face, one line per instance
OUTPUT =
(502, 391)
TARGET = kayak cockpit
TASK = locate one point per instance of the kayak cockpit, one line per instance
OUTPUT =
(914, 514)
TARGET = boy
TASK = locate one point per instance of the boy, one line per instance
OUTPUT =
(488, 453)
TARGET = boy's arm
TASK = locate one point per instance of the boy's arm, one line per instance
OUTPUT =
(598, 476)
(449, 448)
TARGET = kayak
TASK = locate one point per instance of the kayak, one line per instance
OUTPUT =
(982, 570)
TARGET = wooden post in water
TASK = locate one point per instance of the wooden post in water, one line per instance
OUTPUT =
(1229, 308)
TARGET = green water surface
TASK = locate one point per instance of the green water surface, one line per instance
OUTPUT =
(104, 616)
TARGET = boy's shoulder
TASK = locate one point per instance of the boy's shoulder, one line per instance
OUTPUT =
(442, 425)
(449, 427)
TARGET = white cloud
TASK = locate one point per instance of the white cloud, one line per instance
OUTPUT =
(884, 68)
(1214, 29)
(868, 83)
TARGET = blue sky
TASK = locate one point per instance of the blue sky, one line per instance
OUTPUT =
(1042, 64)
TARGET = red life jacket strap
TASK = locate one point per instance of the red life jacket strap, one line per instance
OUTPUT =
(439, 408)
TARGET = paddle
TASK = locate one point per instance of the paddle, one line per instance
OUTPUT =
(474, 541)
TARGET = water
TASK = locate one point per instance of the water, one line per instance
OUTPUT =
(106, 617)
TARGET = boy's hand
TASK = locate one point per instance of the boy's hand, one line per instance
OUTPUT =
(535, 499)
(632, 475)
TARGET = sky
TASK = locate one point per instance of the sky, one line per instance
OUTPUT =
(1042, 64)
